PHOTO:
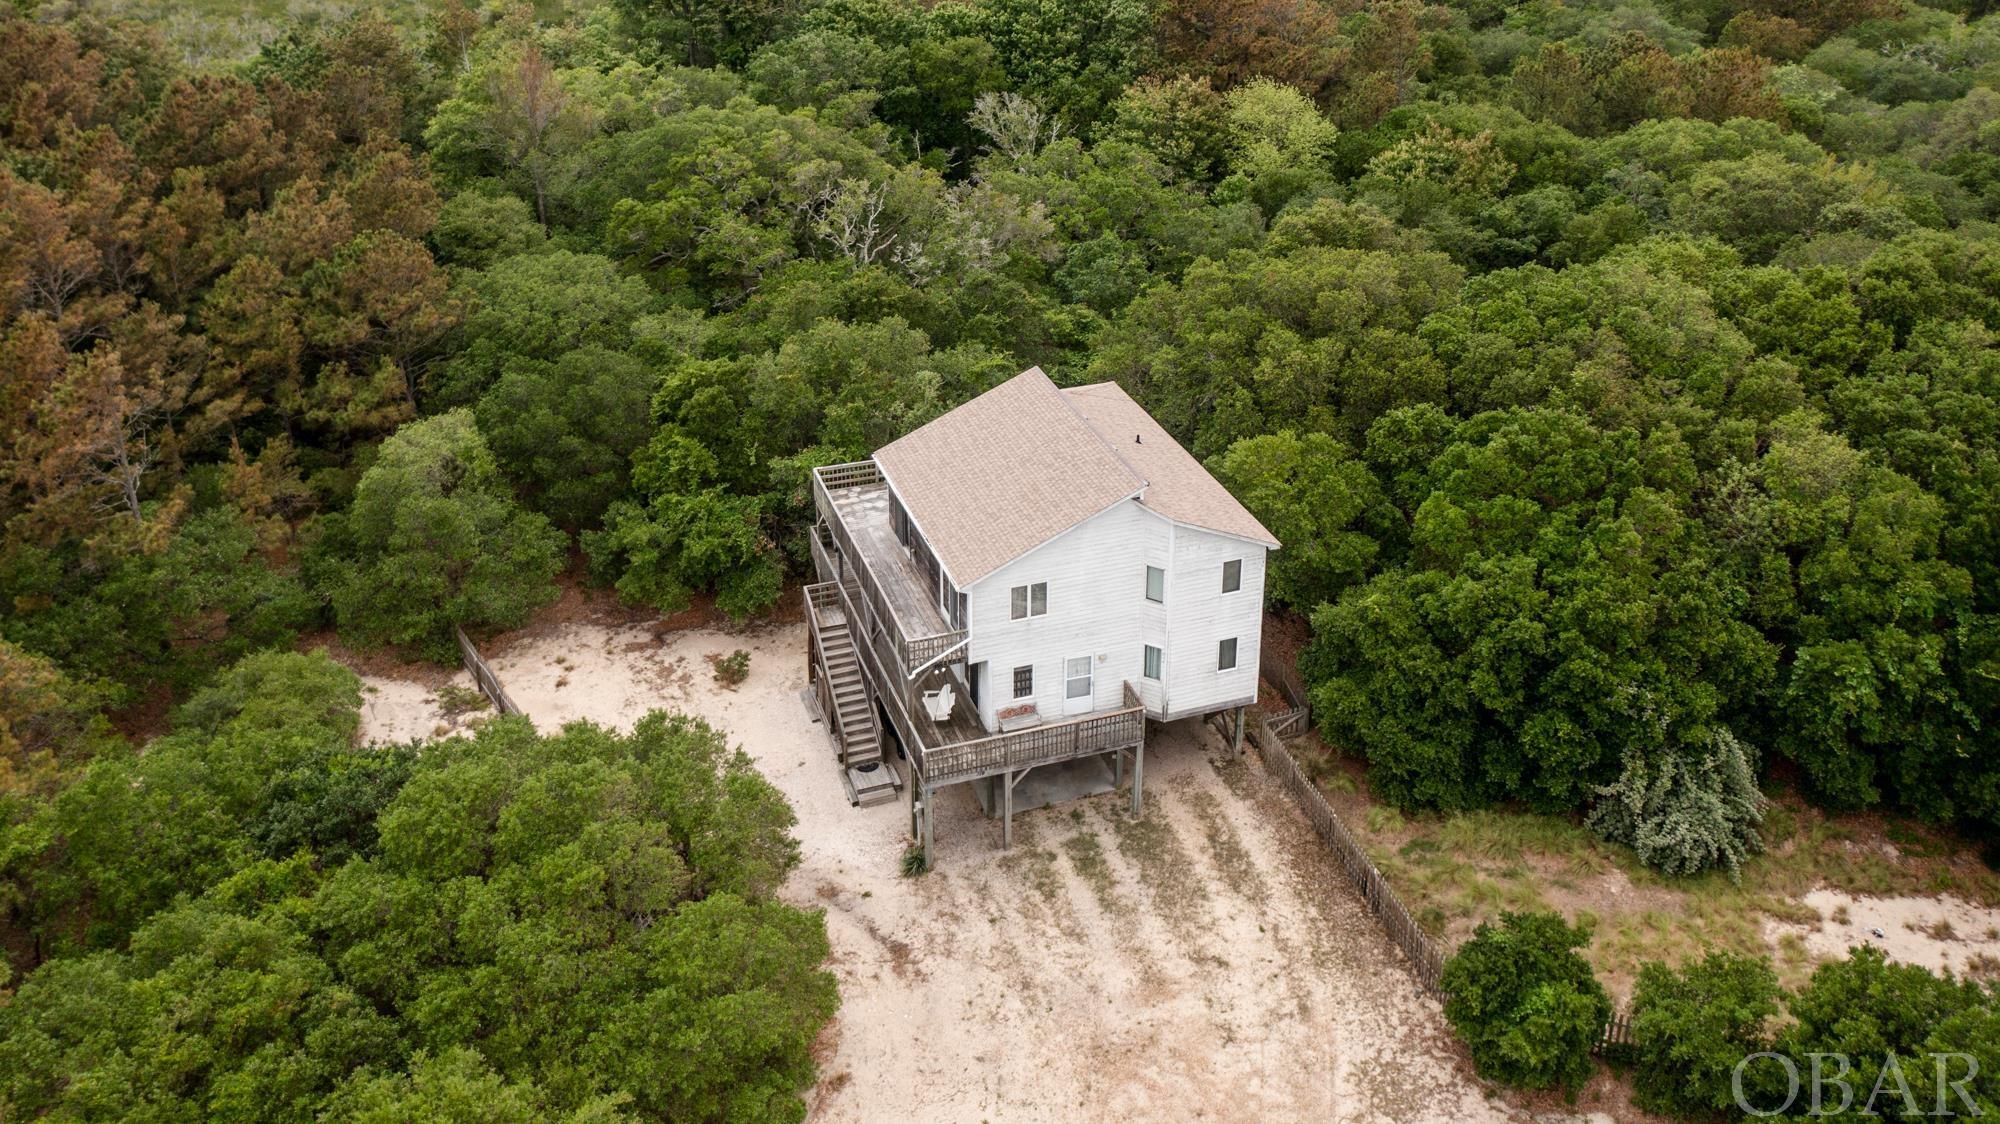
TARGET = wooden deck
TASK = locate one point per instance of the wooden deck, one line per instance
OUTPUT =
(959, 748)
(872, 596)
(864, 512)
(854, 544)
(962, 726)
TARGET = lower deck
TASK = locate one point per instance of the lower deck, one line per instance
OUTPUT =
(955, 748)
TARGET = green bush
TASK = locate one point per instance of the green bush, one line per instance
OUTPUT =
(578, 927)
(1692, 1026)
(1687, 808)
(436, 540)
(732, 669)
(1869, 1009)
(1525, 1002)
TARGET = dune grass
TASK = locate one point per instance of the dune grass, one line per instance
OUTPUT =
(1457, 870)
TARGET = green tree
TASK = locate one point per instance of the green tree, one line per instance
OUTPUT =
(539, 307)
(1321, 502)
(135, 831)
(437, 541)
(581, 926)
(1525, 1002)
(567, 430)
(1691, 1028)
(1318, 338)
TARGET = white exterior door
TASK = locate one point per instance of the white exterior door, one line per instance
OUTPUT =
(1078, 688)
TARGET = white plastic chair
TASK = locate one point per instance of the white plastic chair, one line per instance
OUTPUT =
(938, 703)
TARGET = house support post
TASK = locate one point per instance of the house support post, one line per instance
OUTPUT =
(1237, 744)
(1007, 810)
(1139, 773)
(930, 815)
(1117, 767)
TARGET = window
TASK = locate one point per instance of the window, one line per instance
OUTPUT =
(1225, 656)
(1156, 584)
(1152, 662)
(1076, 680)
(1232, 575)
(1024, 682)
(1031, 600)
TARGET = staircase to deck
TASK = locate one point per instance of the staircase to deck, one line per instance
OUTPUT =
(845, 701)
(854, 715)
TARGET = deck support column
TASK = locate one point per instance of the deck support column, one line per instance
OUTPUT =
(1139, 774)
(1007, 810)
(930, 817)
(1117, 767)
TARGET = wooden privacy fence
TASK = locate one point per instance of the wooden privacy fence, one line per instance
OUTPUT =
(1290, 723)
(1426, 960)
(489, 683)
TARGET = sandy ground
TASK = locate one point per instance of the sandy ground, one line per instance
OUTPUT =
(1939, 933)
(394, 711)
(1198, 962)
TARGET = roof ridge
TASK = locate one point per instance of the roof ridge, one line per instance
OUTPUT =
(1091, 427)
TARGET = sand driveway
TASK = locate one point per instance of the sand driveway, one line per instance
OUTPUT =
(1198, 962)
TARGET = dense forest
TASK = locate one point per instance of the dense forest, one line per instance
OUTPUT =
(1620, 375)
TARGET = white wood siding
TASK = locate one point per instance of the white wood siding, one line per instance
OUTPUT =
(1096, 574)
(1201, 616)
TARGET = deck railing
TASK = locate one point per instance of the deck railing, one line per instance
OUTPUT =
(1041, 745)
(952, 762)
(912, 652)
(873, 651)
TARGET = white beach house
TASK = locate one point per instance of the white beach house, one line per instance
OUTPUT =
(1023, 582)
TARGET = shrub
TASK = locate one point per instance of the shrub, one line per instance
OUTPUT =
(1686, 809)
(1871, 1011)
(437, 540)
(732, 669)
(1525, 1002)
(1690, 1028)
(582, 926)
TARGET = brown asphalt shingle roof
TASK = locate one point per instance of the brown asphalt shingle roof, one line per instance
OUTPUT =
(1177, 486)
(1024, 462)
(1003, 474)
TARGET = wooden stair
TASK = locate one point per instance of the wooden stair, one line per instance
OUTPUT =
(854, 714)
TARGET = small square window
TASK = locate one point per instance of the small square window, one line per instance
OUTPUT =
(1024, 682)
(1225, 656)
(1232, 575)
(1156, 584)
(1152, 662)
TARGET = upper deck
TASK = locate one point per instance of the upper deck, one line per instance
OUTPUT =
(873, 586)
(896, 595)
(863, 511)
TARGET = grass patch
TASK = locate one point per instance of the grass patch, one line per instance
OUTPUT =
(454, 700)
(1086, 855)
(1038, 864)
(1163, 863)
(1226, 847)
(1457, 870)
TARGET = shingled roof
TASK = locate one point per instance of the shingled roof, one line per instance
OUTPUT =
(1177, 486)
(1026, 461)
